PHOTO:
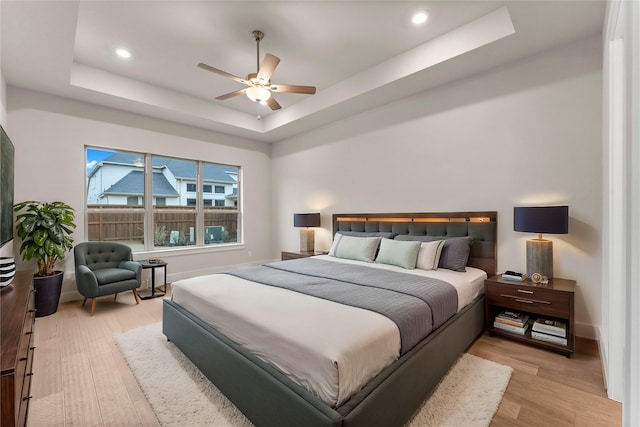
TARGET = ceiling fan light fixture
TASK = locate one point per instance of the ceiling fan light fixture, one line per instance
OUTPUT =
(258, 93)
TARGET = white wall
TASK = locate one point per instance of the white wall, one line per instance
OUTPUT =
(50, 133)
(524, 134)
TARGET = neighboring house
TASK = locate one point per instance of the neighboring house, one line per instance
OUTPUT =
(119, 180)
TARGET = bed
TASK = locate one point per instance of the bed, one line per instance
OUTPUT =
(268, 396)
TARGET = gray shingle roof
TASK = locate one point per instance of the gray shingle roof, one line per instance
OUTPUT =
(179, 168)
(133, 184)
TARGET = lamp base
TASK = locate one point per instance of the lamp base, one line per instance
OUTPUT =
(540, 257)
(307, 240)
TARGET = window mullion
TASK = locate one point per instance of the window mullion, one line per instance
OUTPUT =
(200, 206)
(148, 203)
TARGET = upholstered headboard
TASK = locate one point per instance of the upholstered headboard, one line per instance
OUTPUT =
(481, 226)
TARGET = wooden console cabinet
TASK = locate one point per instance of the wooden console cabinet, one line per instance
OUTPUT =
(17, 316)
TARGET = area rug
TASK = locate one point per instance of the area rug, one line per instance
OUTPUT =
(181, 395)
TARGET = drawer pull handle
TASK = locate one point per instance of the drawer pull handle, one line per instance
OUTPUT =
(33, 310)
(24, 399)
(523, 291)
(32, 348)
(28, 333)
(22, 359)
(526, 301)
(30, 374)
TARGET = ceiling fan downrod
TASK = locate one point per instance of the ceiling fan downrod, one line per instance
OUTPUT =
(258, 35)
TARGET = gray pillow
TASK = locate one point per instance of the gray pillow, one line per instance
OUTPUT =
(455, 253)
(357, 248)
(395, 252)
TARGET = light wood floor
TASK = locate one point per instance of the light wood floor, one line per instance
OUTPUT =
(80, 378)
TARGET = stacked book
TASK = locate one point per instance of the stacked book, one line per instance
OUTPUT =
(553, 331)
(513, 276)
(512, 321)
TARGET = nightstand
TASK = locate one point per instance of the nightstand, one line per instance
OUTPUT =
(299, 254)
(554, 301)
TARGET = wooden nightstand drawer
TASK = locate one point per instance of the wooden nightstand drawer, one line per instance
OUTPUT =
(528, 298)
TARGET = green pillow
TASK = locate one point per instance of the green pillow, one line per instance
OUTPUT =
(357, 248)
(400, 253)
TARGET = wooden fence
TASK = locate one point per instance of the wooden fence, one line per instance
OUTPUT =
(104, 225)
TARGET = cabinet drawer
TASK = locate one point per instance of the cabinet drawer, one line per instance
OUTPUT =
(528, 298)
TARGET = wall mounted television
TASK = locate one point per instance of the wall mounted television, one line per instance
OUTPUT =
(6, 188)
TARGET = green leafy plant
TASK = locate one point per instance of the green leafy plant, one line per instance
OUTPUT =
(45, 230)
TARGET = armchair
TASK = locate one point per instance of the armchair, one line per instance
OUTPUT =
(105, 268)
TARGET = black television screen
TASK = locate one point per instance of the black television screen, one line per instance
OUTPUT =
(6, 188)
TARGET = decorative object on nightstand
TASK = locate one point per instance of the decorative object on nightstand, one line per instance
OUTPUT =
(307, 234)
(541, 219)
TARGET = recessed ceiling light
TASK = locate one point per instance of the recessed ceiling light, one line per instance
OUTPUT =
(123, 53)
(419, 17)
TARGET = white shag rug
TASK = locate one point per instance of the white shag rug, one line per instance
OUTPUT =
(181, 395)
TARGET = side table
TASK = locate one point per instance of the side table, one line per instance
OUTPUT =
(153, 264)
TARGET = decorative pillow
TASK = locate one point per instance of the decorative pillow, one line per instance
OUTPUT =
(429, 255)
(358, 248)
(395, 252)
(334, 245)
(455, 253)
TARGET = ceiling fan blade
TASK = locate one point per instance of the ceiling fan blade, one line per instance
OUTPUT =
(271, 102)
(309, 90)
(268, 67)
(222, 73)
(231, 94)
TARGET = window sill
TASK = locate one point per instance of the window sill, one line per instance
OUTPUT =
(189, 250)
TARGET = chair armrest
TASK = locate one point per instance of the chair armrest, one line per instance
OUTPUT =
(86, 281)
(136, 267)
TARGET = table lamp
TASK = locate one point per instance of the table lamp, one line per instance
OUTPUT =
(307, 234)
(541, 219)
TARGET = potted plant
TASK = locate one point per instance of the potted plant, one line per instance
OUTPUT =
(45, 230)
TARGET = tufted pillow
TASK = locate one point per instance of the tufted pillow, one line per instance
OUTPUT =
(396, 252)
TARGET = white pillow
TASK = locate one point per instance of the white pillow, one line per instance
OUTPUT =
(429, 255)
(358, 248)
(334, 245)
(397, 252)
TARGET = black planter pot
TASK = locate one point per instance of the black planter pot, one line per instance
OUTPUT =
(47, 293)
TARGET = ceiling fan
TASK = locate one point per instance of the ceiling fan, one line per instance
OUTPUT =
(259, 84)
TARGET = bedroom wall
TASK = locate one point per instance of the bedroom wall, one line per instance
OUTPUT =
(50, 134)
(524, 134)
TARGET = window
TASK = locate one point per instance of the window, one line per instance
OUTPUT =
(116, 208)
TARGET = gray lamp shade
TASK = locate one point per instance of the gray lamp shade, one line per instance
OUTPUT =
(541, 219)
(306, 220)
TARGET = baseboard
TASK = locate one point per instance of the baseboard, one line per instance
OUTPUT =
(587, 330)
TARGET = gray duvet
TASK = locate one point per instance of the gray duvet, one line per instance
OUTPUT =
(416, 304)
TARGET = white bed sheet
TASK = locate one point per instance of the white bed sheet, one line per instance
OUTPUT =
(345, 348)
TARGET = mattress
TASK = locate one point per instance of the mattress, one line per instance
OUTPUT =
(345, 348)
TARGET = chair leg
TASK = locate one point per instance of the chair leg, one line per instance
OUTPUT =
(115, 296)
(135, 295)
(93, 305)
(84, 301)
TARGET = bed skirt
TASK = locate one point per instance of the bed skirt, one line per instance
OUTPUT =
(269, 398)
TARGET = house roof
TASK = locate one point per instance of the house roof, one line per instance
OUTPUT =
(181, 169)
(133, 184)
